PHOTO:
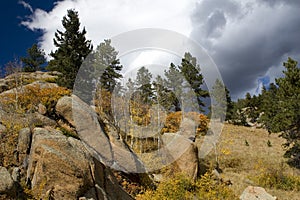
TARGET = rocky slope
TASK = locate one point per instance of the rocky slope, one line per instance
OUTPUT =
(43, 157)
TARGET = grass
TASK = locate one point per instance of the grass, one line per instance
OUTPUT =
(255, 163)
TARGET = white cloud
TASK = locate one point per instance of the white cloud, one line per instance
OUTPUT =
(106, 18)
(247, 39)
(26, 5)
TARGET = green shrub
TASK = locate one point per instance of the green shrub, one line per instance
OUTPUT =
(68, 133)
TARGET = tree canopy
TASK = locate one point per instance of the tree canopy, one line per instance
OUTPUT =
(72, 49)
(34, 60)
(282, 109)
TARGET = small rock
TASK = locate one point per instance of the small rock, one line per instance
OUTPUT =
(2, 128)
(6, 182)
(216, 174)
(42, 109)
(16, 174)
(256, 193)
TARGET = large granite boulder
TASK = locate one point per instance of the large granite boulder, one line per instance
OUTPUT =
(107, 146)
(63, 167)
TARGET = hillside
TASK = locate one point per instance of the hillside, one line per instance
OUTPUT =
(47, 152)
(243, 163)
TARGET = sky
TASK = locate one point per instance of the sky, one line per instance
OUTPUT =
(248, 40)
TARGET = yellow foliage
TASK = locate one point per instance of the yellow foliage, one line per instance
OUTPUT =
(182, 187)
(173, 121)
(271, 177)
(31, 96)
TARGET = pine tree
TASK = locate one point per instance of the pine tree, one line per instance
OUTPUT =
(174, 83)
(163, 96)
(289, 104)
(144, 86)
(34, 60)
(230, 105)
(107, 65)
(269, 107)
(72, 49)
(191, 72)
(285, 117)
(221, 101)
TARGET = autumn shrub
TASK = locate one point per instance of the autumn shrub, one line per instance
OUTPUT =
(173, 121)
(181, 187)
(30, 96)
(201, 120)
(277, 178)
(140, 113)
(9, 141)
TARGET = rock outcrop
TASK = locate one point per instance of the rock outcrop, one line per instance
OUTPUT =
(24, 78)
(105, 146)
(62, 166)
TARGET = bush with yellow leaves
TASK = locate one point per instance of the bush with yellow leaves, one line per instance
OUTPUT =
(181, 187)
(173, 122)
(271, 177)
(31, 96)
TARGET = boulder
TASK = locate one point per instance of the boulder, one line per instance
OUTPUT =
(256, 193)
(106, 146)
(37, 119)
(65, 167)
(24, 140)
(23, 144)
(64, 108)
(188, 162)
(6, 182)
(181, 150)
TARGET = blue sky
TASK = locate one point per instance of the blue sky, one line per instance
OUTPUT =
(14, 37)
(248, 40)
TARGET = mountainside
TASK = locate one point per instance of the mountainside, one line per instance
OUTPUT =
(55, 146)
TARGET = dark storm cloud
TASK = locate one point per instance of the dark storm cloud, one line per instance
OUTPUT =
(246, 40)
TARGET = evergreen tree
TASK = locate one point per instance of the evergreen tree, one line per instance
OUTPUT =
(286, 118)
(163, 95)
(144, 86)
(230, 105)
(191, 72)
(174, 84)
(107, 65)
(221, 100)
(72, 49)
(34, 60)
(269, 107)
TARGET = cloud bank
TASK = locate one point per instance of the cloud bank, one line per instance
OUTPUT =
(247, 39)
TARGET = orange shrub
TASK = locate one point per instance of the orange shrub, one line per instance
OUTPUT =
(173, 122)
(31, 96)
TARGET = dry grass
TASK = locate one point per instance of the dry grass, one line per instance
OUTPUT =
(241, 162)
